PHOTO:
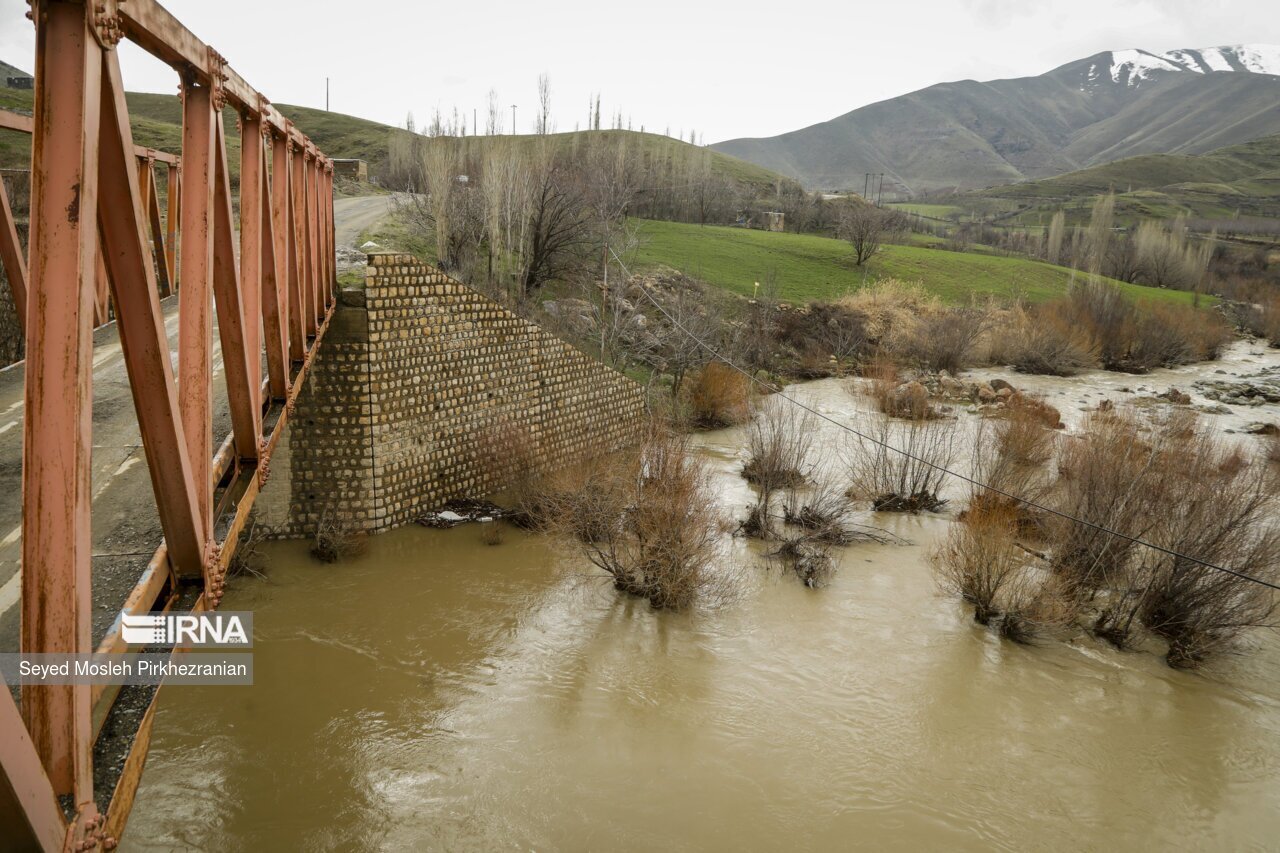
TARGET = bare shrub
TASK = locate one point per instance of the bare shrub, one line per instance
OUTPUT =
(506, 459)
(897, 465)
(248, 556)
(1009, 456)
(1223, 514)
(1043, 341)
(1184, 490)
(980, 561)
(1136, 337)
(338, 536)
(759, 521)
(809, 558)
(1104, 478)
(492, 534)
(826, 513)
(719, 396)
(942, 339)
(894, 397)
(779, 445)
(665, 545)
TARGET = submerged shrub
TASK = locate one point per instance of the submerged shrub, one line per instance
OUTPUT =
(980, 561)
(779, 445)
(665, 545)
(896, 465)
(719, 396)
(338, 536)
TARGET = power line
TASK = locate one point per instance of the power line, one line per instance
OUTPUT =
(962, 477)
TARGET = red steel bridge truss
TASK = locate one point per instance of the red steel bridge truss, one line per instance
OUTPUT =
(99, 250)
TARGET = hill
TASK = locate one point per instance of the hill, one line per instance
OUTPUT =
(157, 123)
(808, 268)
(1238, 180)
(970, 134)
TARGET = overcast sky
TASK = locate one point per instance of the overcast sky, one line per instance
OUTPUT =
(724, 69)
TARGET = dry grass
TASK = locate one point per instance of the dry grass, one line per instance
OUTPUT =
(719, 396)
(338, 536)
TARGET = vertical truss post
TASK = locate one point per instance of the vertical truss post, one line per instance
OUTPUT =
(253, 181)
(195, 318)
(57, 440)
(330, 260)
(275, 318)
(246, 420)
(302, 245)
(316, 254)
(172, 215)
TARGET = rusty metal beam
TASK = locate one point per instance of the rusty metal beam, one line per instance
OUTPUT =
(274, 304)
(143, 341)
(173, 212)
(296, 324)
(29, 809)
(195, 317)
(12, 256)
(253, 180)
(159, 252)
(57, 441)
(246, 419)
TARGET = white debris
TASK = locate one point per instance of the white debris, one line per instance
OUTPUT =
(450, 515)
(369, 244)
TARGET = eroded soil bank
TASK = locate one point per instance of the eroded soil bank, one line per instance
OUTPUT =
(442, 693)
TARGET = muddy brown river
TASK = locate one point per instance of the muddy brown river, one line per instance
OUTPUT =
(441, 693)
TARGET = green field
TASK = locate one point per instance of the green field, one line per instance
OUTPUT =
(809, 268)
(932, 211)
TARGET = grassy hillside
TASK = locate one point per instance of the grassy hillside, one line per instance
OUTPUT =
(1236, 180)
(157, 123)
(809, 268)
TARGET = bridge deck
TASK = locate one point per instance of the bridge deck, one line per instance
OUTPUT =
(126, 525)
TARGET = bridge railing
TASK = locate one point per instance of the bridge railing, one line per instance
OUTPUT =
(163, 237)
(272, 305)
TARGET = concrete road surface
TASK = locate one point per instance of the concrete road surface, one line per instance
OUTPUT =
(354, 215)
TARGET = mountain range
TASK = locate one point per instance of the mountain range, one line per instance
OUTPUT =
(970, 135)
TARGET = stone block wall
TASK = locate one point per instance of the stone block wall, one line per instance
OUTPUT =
(407, 387)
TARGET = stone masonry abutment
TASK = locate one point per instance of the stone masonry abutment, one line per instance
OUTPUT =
(413, 371)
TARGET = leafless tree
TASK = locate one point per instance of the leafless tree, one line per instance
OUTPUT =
(544, 104)
(866, 228)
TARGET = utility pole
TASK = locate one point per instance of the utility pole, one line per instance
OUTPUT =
(866, 183)
(475, 122)
(880, 192)
(513, 119)
(326, 94)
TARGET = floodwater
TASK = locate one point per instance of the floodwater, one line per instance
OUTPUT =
(440, 693)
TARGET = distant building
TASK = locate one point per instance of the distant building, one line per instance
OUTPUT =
(357, 170)
(20, 82)
(775, 220)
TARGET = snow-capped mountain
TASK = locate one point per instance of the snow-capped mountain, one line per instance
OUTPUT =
(1133, 67)
(968, 134)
